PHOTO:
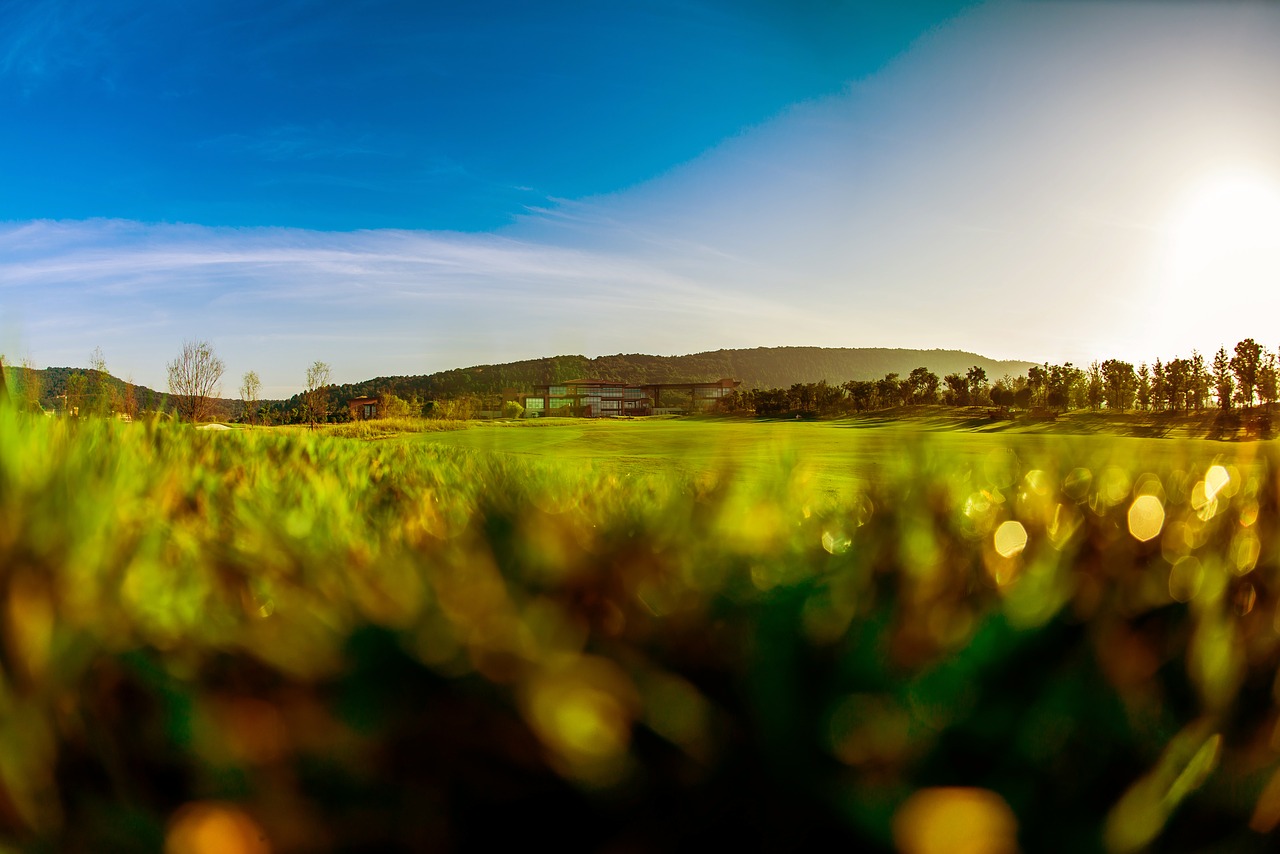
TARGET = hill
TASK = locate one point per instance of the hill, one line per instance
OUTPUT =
(52, 385)
(762, 367)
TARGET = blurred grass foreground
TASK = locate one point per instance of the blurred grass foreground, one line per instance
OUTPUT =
(251, 641)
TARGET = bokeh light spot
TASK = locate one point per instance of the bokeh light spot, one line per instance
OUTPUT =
(950, 820)
(1204, 501)
(1146, 518)
(584, 711)
(208, 827)
(1010, 539)
(1076, 484)
(1114, 485)
(1185, 578)
(835, 542)
(1039, 482)
(1245, 551)
(1245, 599)
(1215, 480)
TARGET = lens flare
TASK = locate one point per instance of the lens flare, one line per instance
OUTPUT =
(1010, 539)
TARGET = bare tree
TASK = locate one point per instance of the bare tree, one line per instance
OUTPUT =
(194, 379)
(250, 388)
(316, 396)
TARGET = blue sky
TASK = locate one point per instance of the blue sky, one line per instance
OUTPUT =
(414, 115)
(400, 188)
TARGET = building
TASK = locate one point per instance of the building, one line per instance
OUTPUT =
(364, 408)
(605, 399)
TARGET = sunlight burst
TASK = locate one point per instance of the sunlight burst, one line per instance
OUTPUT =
(1226, 233)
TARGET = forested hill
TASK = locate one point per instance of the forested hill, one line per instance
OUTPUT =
(51, 385)
(763, 367)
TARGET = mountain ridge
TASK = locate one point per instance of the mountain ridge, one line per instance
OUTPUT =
(759, 367)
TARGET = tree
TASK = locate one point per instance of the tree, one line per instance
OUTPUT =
(887, 389)
(1177, 383)
(250, 389)
(392, 406)
(1223, 381)
(1064, 385)
(957, 389)
(30, 387)
(1245, 365)
(862, 394)
(194, 380)
(1094, 388)
(1198, 382)
(1119, 384)
(1037, 380)
(102, 392)
(316, 397)
(73, 394)
(129, 401)
(1157, 386)
(977, 378)
(1001, 394)
(1268, 380)
(924, 385)
(463, 407)
(1144, 387)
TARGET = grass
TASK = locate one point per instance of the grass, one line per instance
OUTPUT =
(381, 428)
(839, 455)
(651, 634)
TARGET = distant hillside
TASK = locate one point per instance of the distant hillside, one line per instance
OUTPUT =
(52, 383)
(763, 367)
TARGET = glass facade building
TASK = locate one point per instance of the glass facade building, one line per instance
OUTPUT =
(605, 399)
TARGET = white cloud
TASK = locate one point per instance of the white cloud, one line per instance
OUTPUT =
(294, 295)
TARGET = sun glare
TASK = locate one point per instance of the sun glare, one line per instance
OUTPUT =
(1222, 255)
(1228, 229)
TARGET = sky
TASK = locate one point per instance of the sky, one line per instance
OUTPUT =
(405, 187)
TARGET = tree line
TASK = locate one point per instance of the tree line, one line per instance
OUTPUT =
(1247, 376)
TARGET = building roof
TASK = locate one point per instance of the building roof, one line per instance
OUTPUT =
(721, 383)
(590, 382)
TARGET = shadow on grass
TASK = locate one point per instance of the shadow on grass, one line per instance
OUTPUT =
(867, 423)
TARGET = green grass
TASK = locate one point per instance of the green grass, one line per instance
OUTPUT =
(839, 455)
(646, 634)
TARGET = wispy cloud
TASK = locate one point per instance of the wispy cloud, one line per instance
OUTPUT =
(42, 40)
(32, 36)
(509, 298)
(292, 142)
